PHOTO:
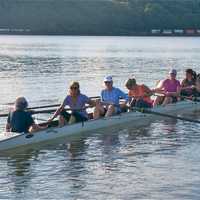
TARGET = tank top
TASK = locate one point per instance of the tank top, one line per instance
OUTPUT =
(140, 91)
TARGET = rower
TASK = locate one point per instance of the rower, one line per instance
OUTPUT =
(197, 86)
(19, 120)
(77, 103)
(188, 84)
(110, 100)
(170, 88)
(139, 94)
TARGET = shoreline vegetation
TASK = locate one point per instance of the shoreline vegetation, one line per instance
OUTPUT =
(100, 17)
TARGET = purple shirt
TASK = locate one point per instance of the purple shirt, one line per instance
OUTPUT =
(80, 103)
(171, 86)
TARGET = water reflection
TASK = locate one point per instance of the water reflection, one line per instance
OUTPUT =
(19, 171)
(148, 162)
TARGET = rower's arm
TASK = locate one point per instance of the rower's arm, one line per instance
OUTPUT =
(58, 111)
(158, 89)
(36, 127)
(123, 95)
(148, 92)
(8, 127)
(178, 91)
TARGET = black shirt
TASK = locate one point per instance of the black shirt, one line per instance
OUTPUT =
(20, 121)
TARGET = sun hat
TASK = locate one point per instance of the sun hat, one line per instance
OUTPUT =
(108, 79)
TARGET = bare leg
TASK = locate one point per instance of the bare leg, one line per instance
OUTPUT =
(123, 106)
(167, 100)
(157, 101)
(62, 121)
(110, 111)
(98, 111)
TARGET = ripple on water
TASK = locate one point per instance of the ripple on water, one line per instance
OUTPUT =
(152, 162)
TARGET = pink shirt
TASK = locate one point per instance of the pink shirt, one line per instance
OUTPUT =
(171, 86)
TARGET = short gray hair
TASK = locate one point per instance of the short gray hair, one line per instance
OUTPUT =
(21, 103)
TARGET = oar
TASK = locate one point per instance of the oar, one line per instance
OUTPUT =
(53, 110)
(33, 112)
(53, 105)
(4, 115)
(45, 106)
(148, 111)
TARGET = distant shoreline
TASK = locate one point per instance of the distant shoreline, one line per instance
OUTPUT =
(125, 35)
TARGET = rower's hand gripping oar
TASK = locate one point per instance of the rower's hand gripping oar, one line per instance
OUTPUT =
(149, 111)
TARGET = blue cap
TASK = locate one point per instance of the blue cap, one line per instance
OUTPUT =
(173, 71)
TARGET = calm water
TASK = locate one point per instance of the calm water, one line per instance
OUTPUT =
(160, 161)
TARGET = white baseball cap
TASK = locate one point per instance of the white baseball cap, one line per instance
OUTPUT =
(108, 79)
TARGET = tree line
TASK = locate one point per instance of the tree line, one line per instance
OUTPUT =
(98, 17)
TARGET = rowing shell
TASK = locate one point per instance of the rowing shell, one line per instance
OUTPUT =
(129, 119)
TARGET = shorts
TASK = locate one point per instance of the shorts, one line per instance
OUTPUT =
(187, 92)
(142, 104)
(196, 93)
(78, 116)
(174, 99)
(117, 111)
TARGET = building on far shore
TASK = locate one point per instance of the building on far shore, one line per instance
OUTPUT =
(155, 31)
(14, 30)
(198, 31)
(189, 31)
(167, 32)
(178, 31)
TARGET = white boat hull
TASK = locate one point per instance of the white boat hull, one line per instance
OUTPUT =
(133, 119)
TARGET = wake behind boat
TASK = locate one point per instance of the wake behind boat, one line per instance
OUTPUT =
(124, 120)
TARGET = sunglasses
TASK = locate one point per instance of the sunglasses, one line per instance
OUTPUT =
(107, 82)
(74, 88)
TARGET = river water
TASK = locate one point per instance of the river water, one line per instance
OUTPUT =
(158, 161)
